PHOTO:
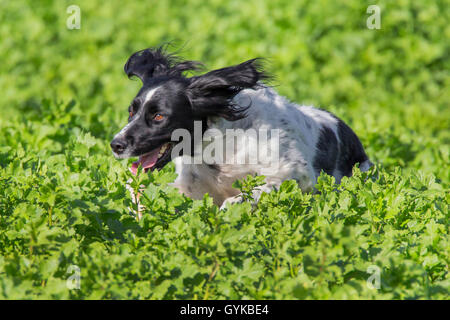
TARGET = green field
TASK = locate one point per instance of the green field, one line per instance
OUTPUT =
(63, 201)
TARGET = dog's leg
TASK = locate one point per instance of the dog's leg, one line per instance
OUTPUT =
(256, 194)
(366, 165)
(228, 201)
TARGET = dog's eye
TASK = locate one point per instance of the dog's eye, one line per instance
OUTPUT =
(158, 117)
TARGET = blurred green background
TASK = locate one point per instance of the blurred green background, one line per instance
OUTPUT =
(62, 197)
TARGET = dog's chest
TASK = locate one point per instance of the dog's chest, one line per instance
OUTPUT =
(195, 180)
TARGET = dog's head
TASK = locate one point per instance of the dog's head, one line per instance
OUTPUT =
(168, 100)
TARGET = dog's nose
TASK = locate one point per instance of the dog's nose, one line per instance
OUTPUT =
(118, 145)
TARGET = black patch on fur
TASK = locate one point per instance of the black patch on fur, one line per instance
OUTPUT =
(327, 151)
(211, 94)
(156, 62)
(194, 176)
(351, 150)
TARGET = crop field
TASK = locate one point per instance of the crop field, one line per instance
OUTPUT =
(66, 231)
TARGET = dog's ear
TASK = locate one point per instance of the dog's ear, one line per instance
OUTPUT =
(211, 94)
(155, 62)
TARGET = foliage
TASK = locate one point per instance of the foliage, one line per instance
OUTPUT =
(63, 199)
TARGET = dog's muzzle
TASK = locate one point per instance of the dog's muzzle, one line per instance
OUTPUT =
(119, 145)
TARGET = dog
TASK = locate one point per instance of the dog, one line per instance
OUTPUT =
(310, 140)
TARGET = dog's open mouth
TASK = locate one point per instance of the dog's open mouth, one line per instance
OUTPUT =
(156, 158)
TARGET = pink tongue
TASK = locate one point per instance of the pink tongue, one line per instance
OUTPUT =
(147, 161)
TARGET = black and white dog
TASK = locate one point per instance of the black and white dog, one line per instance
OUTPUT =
(310, 140)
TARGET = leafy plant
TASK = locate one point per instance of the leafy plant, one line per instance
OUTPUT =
(64, 206)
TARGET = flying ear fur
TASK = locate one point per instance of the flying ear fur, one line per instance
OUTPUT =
(154, 62)
(211, 94)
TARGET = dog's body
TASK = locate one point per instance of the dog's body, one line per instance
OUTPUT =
(309, 140)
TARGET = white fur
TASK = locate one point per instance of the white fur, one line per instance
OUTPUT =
(149, 95)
